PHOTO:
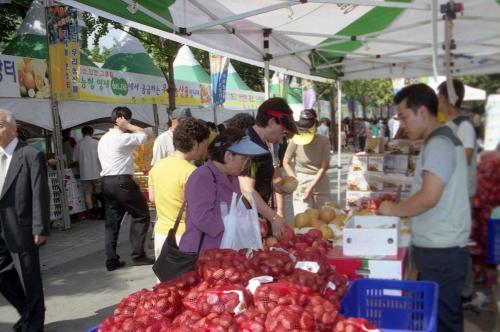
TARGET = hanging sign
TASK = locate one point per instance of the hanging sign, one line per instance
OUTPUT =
(64, 51)
(218, 71)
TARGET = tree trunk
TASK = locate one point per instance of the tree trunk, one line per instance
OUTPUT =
(363, 106)
(352, 103)
(168, 73)
(171, 84)
(333, 113)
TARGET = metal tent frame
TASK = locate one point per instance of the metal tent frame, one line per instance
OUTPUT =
(299, 38)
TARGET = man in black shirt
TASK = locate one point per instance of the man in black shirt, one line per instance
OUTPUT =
(274, 119)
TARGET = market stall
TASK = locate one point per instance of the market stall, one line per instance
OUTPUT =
(299, 282)
(366, 41)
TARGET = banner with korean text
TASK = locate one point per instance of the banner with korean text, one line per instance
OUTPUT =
(64, 51)
(244, 99)
(218, 73)
(112, 86)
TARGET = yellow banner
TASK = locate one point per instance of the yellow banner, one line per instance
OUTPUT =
(64, 52)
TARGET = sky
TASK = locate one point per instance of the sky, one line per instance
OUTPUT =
(108, 41)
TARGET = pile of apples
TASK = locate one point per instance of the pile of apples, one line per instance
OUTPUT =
(487, 198)
(292, 294)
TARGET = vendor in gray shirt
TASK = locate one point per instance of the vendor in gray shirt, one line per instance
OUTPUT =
(439, 205)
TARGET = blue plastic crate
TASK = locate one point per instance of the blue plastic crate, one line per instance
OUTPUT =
(94, 329)
(393, 305)
(493, 253)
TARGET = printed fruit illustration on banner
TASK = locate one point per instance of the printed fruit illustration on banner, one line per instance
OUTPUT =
(33, 78)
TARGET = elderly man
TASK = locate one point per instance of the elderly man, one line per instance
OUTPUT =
(164, 143)
(24, 224)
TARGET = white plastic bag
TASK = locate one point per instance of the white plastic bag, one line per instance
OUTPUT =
(241, 225)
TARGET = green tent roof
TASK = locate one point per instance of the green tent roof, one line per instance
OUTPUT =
(140, 63)
(294, 92)
(187, 68)
(191, 74)
(35, 46)
(234, 81)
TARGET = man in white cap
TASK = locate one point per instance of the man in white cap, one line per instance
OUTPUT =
(164, 143)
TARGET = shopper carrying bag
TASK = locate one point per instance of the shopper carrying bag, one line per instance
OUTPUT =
(172, 262)
(241, 224)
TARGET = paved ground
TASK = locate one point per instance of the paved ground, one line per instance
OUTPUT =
(79, 292)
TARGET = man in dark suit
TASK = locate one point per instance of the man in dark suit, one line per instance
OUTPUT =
(24, 224)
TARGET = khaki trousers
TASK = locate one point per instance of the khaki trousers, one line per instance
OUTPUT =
(320, 195)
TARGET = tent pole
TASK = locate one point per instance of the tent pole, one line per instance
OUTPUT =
(156, 120)
(339, 138)
(215, 114)
(267, 58)
(57, 139)
(267, 92)
(449, 44)
(434, 6)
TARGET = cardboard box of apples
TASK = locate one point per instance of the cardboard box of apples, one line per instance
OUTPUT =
(329, 220)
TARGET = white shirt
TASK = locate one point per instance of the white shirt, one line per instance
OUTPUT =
(466, 134)
(368, 127)
(9, 151)
(85, 154)
(393, 125)
(115, 151)
(323, 130)
(163, 146)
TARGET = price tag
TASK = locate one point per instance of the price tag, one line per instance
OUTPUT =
(257, 281)
(309, 266)
(242, 306)
(331, 286)
(292, 257)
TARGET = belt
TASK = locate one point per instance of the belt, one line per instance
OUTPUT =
(439, 249)
(128, 176)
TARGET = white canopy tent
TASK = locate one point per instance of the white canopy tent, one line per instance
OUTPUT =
(74, 113)
(352, 39)
(318, 39)
(30, 110)
(470, 92)
(223, 113)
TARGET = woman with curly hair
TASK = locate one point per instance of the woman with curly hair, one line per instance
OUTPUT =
(168, 177)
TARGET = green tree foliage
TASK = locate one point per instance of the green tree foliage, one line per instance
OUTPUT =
(11, 17)
(161, 50)
(489, 83)
(376, 91)
(98, 54)
(253, 76)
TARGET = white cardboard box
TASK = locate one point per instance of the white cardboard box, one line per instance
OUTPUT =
(365, 181)
(396, 163)
(371, 235)
(362, 162)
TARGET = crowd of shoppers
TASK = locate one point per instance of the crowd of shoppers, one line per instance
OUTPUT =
(196, 168)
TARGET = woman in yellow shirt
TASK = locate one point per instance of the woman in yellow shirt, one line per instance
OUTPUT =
(168, 177)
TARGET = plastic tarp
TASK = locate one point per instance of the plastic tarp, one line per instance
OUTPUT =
(30, 110)
(73, 113)
(355, 39)
(207, 113)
